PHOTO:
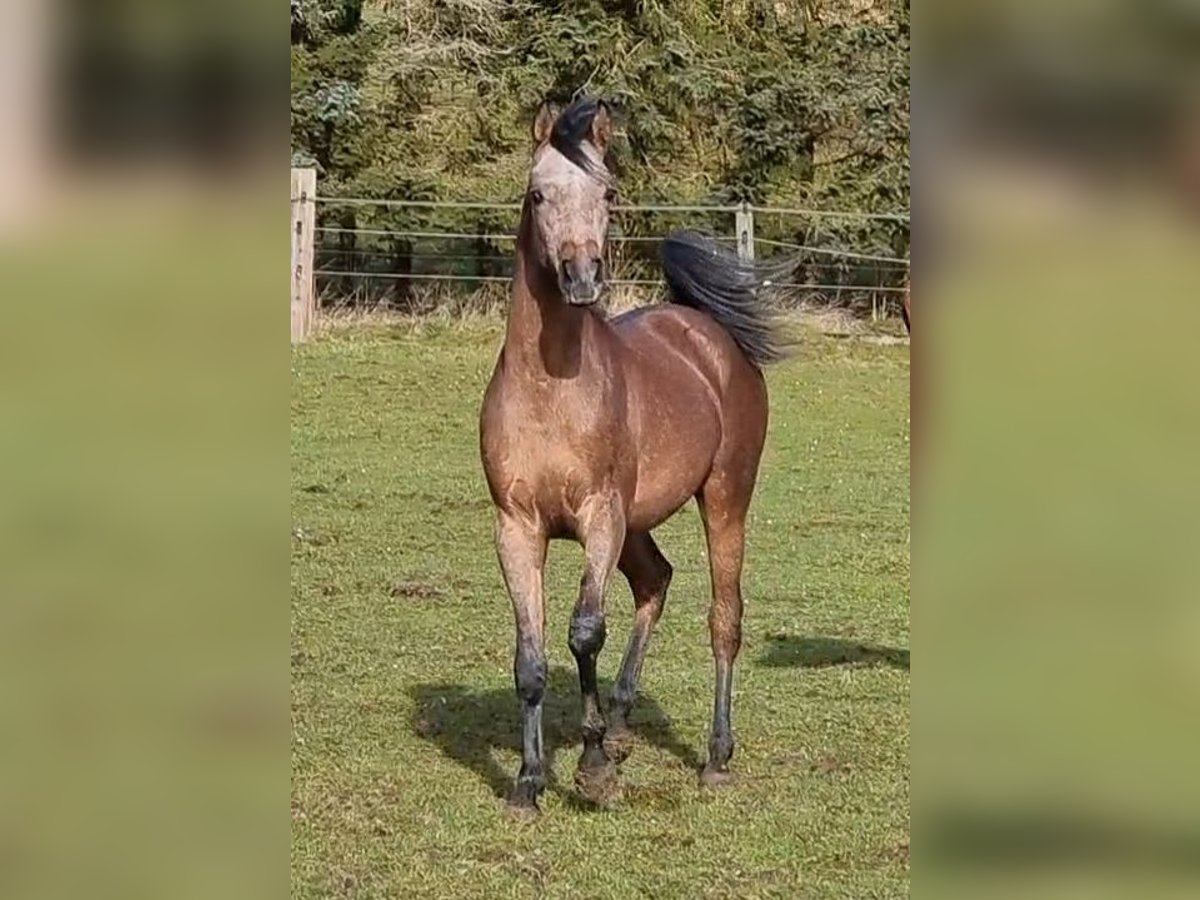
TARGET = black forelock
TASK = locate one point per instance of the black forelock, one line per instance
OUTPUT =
(571, 129)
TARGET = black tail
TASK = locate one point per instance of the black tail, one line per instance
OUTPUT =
(705, 276)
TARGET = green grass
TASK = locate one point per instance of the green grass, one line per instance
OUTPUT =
(405, 725)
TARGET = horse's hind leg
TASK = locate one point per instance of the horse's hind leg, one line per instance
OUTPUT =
(649, 576)
(724, 501)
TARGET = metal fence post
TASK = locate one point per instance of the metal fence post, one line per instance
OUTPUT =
(304, 218)
(744, 223)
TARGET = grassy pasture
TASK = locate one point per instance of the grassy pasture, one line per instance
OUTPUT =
(405, 726)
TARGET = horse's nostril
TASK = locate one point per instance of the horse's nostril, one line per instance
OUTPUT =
(564, 271)
(598, 266)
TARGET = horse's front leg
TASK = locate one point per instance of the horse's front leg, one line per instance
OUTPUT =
(602, 532)
(521, 545)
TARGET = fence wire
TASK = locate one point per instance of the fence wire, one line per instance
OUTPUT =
(379, 252)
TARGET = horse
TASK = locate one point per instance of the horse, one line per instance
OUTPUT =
(598, 430)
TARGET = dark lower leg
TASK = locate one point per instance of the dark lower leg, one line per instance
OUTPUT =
(530, 676)
(726, 641)
(603, 535)
(649, 576)
(522, 550)
(595, 775)
(720, 743)
(625, 688)
(586, 640)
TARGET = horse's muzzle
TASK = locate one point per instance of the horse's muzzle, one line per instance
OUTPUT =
(581, 280)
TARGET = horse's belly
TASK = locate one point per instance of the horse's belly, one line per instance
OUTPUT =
(674, 457)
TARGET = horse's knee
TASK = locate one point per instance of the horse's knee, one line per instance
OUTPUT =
(529, 671)
(586, 637)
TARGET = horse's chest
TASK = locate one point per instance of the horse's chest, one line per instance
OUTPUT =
(550, 463)
(543, 450)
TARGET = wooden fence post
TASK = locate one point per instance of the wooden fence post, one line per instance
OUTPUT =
(744, 223)
(304, 217)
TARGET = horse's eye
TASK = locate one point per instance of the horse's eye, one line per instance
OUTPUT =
(537, 197)
(610, 196)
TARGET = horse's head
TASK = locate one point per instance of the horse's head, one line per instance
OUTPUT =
(569, 195)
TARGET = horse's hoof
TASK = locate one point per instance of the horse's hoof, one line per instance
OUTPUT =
(618, 744)
(521, 802)
(715, 778)
(599, 785)
(521, 811)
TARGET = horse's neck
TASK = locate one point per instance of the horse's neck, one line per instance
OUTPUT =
(544, 336)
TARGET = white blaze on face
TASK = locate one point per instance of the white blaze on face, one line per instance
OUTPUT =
(572, 217)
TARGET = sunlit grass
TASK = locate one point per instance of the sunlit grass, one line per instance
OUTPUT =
(405, 726)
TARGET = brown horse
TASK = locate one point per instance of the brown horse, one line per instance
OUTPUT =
(599, 430)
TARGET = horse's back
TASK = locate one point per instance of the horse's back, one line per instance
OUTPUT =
(681, 335)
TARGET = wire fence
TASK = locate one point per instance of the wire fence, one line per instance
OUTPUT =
(407, 254)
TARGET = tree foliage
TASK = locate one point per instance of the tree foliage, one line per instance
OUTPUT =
(777, 103)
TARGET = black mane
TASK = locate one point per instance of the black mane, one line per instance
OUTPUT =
(572, 128)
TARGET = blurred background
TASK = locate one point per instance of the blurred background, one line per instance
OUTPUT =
(144, 436)
(1055, 592)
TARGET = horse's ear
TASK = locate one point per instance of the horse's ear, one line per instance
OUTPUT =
(543, 122)
(602, 127)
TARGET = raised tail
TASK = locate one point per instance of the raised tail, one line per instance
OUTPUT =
(705, 276)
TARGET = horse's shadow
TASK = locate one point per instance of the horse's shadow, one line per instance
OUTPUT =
(819, 652)
(468, 726)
